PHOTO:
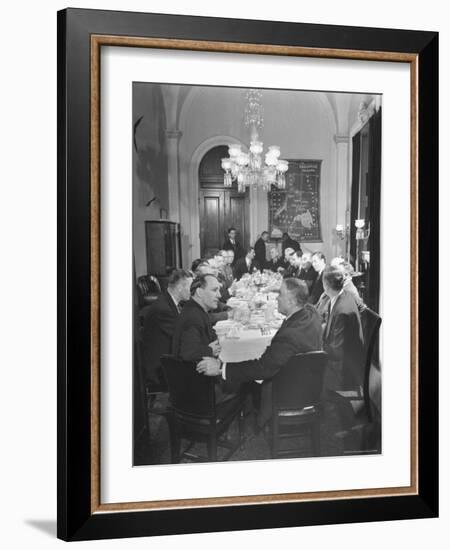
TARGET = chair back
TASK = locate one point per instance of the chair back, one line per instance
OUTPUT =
(371, 323)
(148, 287)
(148, 284)
(190, 393)
(298, 384)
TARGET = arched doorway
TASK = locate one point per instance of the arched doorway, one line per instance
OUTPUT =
(220, 207)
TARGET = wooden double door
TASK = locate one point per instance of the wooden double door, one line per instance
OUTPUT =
(221, 209)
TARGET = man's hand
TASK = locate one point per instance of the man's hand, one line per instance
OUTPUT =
(215, 346)
(209, 366)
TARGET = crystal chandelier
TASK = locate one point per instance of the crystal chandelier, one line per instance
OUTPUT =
(248, 168)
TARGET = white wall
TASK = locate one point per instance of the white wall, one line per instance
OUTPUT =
(28, 232)
(303, 124)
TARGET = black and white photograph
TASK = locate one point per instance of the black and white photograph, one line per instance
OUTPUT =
(258, 304)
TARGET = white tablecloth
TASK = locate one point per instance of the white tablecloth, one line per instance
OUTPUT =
(250, 345)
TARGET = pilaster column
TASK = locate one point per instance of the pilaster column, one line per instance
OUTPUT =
(173, 173)
(342, 188)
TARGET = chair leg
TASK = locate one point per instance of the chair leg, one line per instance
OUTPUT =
(212, 448)
(241, 429)
(175, 442)
(275, 435)
(315, 437)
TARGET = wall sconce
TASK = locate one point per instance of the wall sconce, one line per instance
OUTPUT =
(340, 231)
(361, 233)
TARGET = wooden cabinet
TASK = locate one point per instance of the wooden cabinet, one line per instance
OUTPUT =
(163, 247)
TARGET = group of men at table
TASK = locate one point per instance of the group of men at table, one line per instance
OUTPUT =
(319, 301)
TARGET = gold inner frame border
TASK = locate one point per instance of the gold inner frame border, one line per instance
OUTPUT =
(97, 41)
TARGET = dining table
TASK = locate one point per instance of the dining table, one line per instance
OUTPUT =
(254, 318)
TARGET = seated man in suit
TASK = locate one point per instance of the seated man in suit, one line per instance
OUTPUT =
(296, 262)
(285, 257)
(291, 268)
(220, 313)
(216, 260)
(226, 269)
(349, 287)
(275, 263)
(159, 325)
(307, 272)
(246, 265)
(194, 337)
(318, 262)
(300, 332)
(342, 337)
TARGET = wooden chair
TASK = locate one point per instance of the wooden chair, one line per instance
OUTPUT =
(370, 426)
(194, 414)
(371, 323)
(296, 391)
(149, 289)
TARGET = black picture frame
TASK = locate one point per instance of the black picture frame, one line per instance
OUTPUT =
(78, 517)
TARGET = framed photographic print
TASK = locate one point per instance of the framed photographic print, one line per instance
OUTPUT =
(247, 338)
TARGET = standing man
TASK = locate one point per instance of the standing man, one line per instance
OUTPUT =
(246, 265)
(260, 249)
(231, 243)
(318, 262)
(342, 337)
(159, 325)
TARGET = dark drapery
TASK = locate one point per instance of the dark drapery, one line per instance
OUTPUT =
(140, 418)
(356, 160)
(374, 195)
(371, 279)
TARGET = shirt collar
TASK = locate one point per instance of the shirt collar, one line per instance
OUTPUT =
(175, 301)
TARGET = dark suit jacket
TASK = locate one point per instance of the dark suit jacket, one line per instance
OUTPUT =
(227, 274)
(290, 271)
(260, 253)
(274, 265)
(239, 252)
(316, 290)
(157, 334)
(309, 276)
(241, 267)
(343, 341)
(290, 243)
(300, 333)
(193, 333)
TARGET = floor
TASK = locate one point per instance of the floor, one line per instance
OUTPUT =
(342, 433)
